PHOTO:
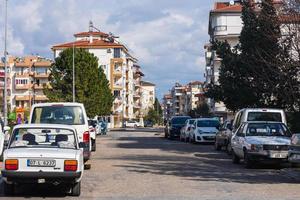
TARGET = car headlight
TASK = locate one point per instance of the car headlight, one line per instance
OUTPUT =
(256, 147)
(200, 132)
(295, 140)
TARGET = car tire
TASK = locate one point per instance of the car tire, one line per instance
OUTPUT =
(8, 189)
(235, 158)
(249, 163)
(76, 189)
(217, 146)
(93, 144)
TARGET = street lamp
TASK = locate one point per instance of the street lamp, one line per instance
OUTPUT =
(5, 66)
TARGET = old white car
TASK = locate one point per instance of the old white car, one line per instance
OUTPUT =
(43, 154)
(260, 141)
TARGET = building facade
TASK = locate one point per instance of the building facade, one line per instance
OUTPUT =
(225, 23)
(120, 68)
(27, 77)
(147, 97)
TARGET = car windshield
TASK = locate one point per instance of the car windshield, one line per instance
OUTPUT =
(70, 115)
(264, 116)
(267, 129)
(43, 138)
(191, 121)
(179, 120)
(208, 123)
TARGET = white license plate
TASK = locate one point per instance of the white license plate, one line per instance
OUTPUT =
(41, 163)
(278, 155)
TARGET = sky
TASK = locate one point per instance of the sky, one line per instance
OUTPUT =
(166, 36)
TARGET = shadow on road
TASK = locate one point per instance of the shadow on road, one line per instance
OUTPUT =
(192, 162)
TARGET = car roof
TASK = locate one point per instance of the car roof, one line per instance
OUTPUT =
(262, 122)
(57, 103)
(263, 109)
(180, 117)
(202, 119)
(54, 126)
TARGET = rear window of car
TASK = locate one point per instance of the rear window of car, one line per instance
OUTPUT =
(264, 116)
(43, 138)
(69, 115)
(179, 120)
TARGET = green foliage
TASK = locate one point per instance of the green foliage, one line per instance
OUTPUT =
(92, 87)
(201, 111)
(258, 72)
(155, 114)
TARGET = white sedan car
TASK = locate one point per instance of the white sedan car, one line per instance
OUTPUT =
(132, 124)
(43, 153)
(204, 130)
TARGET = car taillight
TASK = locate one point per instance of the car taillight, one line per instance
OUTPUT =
(11, 164)
(70, 165)
(86, 137)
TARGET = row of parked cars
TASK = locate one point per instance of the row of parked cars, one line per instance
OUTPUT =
(54, 147)
(254, 135)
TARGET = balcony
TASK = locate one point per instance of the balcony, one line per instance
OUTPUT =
(118, 85)
(137, 105)
(41, 75)
(22, 75)
(224, 30)
(22, 86)
(38, 87)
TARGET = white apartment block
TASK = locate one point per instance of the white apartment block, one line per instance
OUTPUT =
(120, 68)
(225, 23)
(193, 90)
(147, 96)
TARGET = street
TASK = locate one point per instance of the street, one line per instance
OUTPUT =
(145, 165)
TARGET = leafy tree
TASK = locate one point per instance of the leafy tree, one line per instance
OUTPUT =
(155, 114)
(201, 111)
(91, 85)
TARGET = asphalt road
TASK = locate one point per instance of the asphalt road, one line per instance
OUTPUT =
(144, 165)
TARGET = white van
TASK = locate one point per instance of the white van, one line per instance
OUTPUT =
(258, 114)
(64, 113)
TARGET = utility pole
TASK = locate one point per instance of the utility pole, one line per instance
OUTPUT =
(73, 72)
(5, 66)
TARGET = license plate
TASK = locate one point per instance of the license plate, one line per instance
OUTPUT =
(41, 163)
(278, 155)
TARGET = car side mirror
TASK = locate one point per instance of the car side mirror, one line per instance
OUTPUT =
(6, 129)
(82, 145)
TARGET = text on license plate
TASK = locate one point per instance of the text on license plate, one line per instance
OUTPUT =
(278, 155)
(40, 163)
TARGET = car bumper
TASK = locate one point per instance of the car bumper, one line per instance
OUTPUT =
(174, 133)
(270, 155)
(34, 177)
(203, 138)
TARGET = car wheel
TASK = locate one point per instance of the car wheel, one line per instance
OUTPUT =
(217, 146)
(249, 162)
(93, 145)
(76, 189)
(235, 158)
(9, 189)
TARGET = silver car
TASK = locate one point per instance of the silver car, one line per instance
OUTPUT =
(260, 141)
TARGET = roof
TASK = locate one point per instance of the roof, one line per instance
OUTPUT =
(54, 126)
(196, 83)
(226, 7)
(86, 44)
(85, 34)
(147, 83)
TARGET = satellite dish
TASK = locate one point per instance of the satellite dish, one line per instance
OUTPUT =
(231, 3)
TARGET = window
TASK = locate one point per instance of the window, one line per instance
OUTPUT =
(264, 116)
(117, 53)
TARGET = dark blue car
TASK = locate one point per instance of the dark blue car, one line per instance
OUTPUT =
(174, 126)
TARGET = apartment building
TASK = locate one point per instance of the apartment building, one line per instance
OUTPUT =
(147, 97)
(120, 68)
(178, 99)
(193, 91)
(225, 23)
(26, 78)
(167, 106)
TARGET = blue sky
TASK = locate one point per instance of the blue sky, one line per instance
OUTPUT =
(167, 36)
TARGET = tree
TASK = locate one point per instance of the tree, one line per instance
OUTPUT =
(92, 87)
(155, 114)
(202, 110)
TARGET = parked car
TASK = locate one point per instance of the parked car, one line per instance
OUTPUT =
(294, 150)
(185, 131)
(223, 136)
(132, 124)
(148, 123)
(43, 153)
(260, 141)
(175, 125)
(204, 130)
(93, 128)
(256, 114)
(65, 113)
(3, 137)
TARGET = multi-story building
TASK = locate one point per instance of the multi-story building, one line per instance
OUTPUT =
(147, 97)
(225, 23)
(178, 99)
(192, 92)
(167, 107)
(27, 77)
(120, 68)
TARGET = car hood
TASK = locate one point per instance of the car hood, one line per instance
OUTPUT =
(208, 129)
(41, 153)
(268, 140)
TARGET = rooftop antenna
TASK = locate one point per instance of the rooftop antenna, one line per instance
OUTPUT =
(91, 26)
